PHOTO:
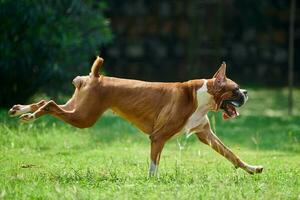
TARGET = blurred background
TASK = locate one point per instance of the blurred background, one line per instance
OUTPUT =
(45, 44)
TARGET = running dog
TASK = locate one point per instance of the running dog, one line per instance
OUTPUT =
(160, 110)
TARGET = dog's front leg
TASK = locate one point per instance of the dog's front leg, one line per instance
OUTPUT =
(157, 145)
(207, 136)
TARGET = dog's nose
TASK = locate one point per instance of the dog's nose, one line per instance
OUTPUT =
(245, 92)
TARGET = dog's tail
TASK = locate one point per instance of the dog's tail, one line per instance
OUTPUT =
(96, 66)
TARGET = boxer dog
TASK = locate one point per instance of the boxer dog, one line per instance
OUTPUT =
(160, 110)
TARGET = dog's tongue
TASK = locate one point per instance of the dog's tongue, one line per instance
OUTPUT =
(225, 116)
(232, 113)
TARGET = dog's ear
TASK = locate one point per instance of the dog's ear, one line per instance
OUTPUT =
(96, 66)
(220, 77)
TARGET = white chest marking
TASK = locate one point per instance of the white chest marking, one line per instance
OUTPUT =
(199, 117)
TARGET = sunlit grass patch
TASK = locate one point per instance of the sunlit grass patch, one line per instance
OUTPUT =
(51, 160)
(271, 102)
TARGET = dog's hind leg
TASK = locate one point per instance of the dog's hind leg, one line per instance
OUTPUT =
(19, 109)
(69, 116)
(207, 136)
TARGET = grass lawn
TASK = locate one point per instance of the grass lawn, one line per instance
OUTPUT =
(51, 160)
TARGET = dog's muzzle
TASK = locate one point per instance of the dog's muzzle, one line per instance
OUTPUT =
(238, 99)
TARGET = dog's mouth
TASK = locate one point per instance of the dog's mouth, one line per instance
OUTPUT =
(229, 108)
(229, 105)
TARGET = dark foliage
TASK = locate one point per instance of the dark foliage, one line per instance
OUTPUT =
(45, 43)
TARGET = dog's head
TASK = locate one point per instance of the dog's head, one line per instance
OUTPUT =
(226, 93)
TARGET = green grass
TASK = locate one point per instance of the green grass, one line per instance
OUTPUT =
(52, 160)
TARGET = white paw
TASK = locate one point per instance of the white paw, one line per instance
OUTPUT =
(28, 117)
(254, 169)
(153, 170)
(18, 110)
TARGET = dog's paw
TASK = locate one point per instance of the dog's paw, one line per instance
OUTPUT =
(28, 117)
(259, 169)
(254, 169)
(17, 110)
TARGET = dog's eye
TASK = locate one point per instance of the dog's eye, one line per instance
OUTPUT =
(236, 90)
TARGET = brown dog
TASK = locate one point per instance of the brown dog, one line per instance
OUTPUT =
(159, 109)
